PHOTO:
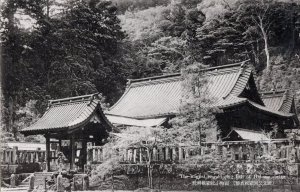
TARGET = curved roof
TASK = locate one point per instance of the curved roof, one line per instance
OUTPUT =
(229, 85)
(279, 100)
(160, 96)
(66, 114)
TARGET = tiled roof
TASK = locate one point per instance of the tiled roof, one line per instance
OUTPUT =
(278, 100)
(250, 135)
(67, 113)
(161, 96)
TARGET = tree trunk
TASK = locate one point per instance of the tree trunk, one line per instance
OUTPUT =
(266, 49)
(265, 37)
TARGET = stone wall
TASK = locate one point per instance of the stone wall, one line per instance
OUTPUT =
(241, 177)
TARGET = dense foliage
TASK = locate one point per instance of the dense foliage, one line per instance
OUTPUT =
(53, 49)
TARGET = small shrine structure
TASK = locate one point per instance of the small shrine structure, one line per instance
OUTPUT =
(70, 124)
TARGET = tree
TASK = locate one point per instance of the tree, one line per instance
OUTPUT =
(137, 137)
(196, 121)
(77, 50)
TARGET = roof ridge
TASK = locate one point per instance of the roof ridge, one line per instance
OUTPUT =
(241, 64)
(72, 99)
(249, 130)
(274, 91)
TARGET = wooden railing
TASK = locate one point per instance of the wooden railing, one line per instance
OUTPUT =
(283, 149)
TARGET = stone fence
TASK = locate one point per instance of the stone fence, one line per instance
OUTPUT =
(13, 159)
(281, 149)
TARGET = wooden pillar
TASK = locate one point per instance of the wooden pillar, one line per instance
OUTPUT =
(84, 153)
(72, 145)
(47, 153)
(59, 145)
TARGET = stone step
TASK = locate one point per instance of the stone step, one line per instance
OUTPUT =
(40, 178)
(19, 189)
(23, 185)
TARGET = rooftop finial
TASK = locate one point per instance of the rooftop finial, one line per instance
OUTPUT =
(128, 83)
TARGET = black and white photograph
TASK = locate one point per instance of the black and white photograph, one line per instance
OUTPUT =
(150, 95)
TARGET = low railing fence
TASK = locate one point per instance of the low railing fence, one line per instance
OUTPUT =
(15, 156)
(281, 149)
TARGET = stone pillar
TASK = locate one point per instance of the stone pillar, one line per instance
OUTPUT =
(73, 187)
(187, 153)
(232, 152)
(224, 150)
(31, 183)
(45, 184)
(251, 155)
(15, 156)
(8, 158)
(174, 154)
(59, 183)
(161, 154)
(240, 152)
(125, 154)
(96, 151)
(154, 154)
(103, 154)
(13, 180)
(141, 155)
(167, 153)
(180, 151)
(85, 182)
(265, 149)
(93, 154)
(129, 153)
(134, 155)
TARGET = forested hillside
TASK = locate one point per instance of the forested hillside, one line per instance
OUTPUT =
(61, 48)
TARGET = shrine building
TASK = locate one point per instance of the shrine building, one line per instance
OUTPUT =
(154, 101)
(244, 113)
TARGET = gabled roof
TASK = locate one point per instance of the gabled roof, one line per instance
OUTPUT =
(161, 96)
(230, 86)
(250, 135)
(68, 114)
(279, 100)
